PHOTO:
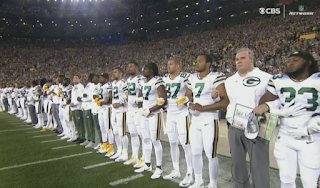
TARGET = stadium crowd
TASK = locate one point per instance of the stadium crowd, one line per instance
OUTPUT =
(100, 108)
(271, 39)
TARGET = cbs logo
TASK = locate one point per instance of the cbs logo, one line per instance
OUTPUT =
(269, 10)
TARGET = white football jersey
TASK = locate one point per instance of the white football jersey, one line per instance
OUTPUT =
(119, 88)
(150, 92)
(104, 92)
(306, 92)
(134, 84)
(202, 89)
(176, 88)
(66, 94)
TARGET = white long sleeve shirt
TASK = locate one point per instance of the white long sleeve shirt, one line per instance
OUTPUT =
(77, 91)
(86, 101)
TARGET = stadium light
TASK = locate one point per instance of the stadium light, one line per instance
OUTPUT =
(158, 22)
(208, 21)
(197, 13)
(232, 15)
(71, 25)
(208, 10)
(80, 25)
(109, 23)
(95, 24)
(245, 12)
(56, 25)
(77, 0)
(157, 31)
(38, 21)
(4, 19)
(71, 0)
(208, 0)
(177, 18)
(187, 6)
(61, 0)
(52, 21)
(141, 28)
(197, 3)
(187, 16)
(21, 20)
(177, 8)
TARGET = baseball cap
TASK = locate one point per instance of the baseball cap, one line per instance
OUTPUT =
(148, 65)
(304, 55)
(105, 75)
(251, 130)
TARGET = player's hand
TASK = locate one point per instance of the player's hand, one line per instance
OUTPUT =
(182, 100)
(132, 101)
(122, 100)
(79, 99)
(116, 105)
(298, 132)
(261, 109)
(194, 112)
(72, 105)
(146, 112)
(214, 94)
(140, 111)
(290, 109)
(196, 106)
(314, 125)
(160, 101)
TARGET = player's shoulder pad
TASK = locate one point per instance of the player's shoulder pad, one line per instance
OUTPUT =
(316, 75)
(278, 76)
(158, 79)
(219, 76)
(184, 75)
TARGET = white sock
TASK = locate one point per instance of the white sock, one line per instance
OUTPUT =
(188, 157)
(110, 136)
(213, 170)
(135, 143)
(40, 119)
(125, 141)
(158, 150)
(49, 120)
(288, 185)
(147, 150)
(174, 150)
(118, 142)
(197, 166)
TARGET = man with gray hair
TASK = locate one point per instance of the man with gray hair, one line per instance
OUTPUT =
(245, 88)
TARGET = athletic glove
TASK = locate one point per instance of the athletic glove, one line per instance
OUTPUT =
(146, 112)
(160, 101)
(290, 109)
(299, 132)
(314, 125)
(182, 100)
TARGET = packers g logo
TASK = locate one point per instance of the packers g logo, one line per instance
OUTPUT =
(251, 81)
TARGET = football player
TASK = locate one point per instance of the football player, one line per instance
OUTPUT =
(294, 97)
(134, 83)
(178, 120)
(119, 113)
(204, 131)
(154, 99)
